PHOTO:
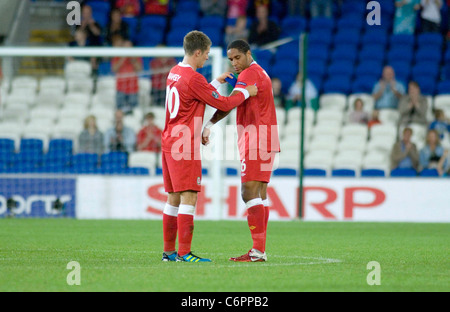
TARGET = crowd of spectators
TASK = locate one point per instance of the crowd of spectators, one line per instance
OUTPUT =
(119, 137)
(252, 20)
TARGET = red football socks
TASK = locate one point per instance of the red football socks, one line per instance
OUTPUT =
(257, 223)
(170, 227)
(185, 228)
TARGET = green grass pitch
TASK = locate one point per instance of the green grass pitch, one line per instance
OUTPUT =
(125, 255)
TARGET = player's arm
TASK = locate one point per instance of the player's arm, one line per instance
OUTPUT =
(216, 117)
(208, 94)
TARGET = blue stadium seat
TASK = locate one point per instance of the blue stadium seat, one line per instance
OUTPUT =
(402, 70)
(150, 38)
(372, 173)
(425, 68)
(175, 36)
(318, 52)
(133, 27)
(85, 163)
(316, 68)
(283, 67)
(348, 52)
(364, 83)
(100, 12)
(375, 37)
(350, 21)
(59, 155)
(322, 23)
(263, 56)
(215, 34)
(400, 53)
(212, 21)
(188, 6)
(429, 173)
(320, 37)
(406, 173)
(348, 36)
(427, 84)
(313, 172)
(369, 68)
(344, 67)
(337, 84)
(404, 40)
(7, 153)
(153, 22)
(286, 172)
(114, 160)
(430, 39)
(289, 51)
(231, 172)
(428, 53)
(343, 173)
(373, 52)
(443, 87)
(293, 26)
(186, 19)
(137, 171)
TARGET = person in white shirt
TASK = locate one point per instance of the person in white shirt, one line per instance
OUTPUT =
(431, 15)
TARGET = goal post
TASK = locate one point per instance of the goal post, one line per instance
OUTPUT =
(15, 59)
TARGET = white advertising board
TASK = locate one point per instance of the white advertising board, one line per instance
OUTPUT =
(331, 199)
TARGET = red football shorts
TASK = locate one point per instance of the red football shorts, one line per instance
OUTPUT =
(183, 174)
(256, 165)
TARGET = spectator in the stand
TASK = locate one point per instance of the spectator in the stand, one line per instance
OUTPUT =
(374, 118)
(441, 124)
(92, 28)
(263, 30)
(160, 67)
(90, 139)
(127, 70)
(237, 8)
(405, 16)
(321, 8)
(129, 8)
(156, 7)
(387, 91)
(149, 137)
(431, 15)
(358, 114)
(119, 138)
(81, 41)
(413, 106)
(213, 7)
(295, 92)
(278, 95)
(237, 31)
(116, 26)
(433, 155)
(404, 154)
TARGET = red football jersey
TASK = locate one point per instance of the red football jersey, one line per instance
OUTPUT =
(256, 118)
(187, 92)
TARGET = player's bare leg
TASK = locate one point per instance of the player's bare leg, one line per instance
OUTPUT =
(170, 226)
(251, 194)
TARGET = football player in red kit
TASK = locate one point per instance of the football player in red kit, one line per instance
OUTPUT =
(187, 93)
(258, 143)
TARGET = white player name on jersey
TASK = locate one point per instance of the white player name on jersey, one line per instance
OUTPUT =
(174, 77)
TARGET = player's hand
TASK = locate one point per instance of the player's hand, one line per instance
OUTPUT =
(222, 77)
(252, 90)
(205, 136)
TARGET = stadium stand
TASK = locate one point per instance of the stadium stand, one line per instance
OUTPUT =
(41, 118)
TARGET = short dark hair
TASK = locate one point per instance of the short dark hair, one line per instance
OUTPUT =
(240, 45)
(196, 40)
